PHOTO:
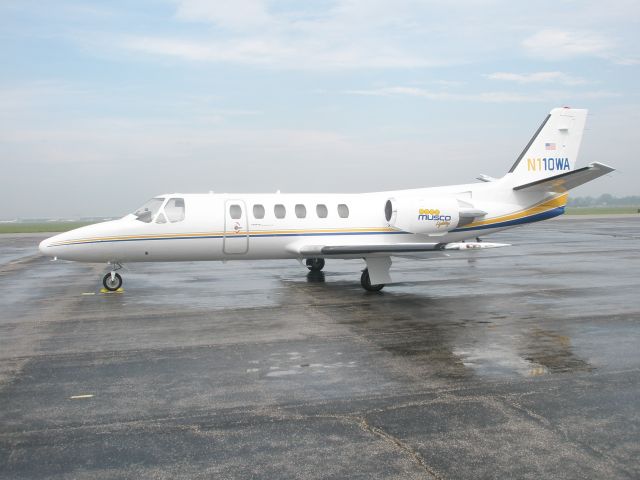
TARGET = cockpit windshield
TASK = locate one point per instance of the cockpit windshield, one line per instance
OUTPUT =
(147, 211)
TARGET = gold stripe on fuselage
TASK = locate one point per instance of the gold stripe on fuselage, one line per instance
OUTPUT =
(541, 207)
(327, 231)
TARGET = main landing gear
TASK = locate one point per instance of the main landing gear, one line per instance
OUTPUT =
(112, 281)
(315, 264)
(365, 281)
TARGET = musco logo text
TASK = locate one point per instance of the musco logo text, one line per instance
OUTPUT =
(433, 214)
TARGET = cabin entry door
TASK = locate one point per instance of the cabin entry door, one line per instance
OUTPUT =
(236, 228)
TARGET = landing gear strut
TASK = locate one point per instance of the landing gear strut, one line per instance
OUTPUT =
(315, 264)
(365, 281)
(112, 281)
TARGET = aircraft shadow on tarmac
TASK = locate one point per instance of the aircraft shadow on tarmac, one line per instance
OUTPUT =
(451, 337)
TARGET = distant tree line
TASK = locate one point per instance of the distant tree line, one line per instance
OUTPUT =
(605, 200)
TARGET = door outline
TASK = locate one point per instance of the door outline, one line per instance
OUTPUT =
(236, 231)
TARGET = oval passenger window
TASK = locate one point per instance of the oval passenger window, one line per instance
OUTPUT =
(322, 210)
(258, 211)
(343, 211)
(279, 211)
(235, 212)
(301, 211)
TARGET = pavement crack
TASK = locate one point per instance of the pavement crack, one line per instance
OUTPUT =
(415, 456)
(364, 424)
(560, 430)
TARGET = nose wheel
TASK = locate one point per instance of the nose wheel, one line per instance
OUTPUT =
(365, 281)
(112, 281)
(315, 264)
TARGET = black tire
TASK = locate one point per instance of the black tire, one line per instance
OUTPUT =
(365, 281)
(112, 285)
(315, 264)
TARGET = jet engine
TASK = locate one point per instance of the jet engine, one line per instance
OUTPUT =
(430, 216)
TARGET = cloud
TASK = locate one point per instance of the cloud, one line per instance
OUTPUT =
(349, 34)
(485, 97)
(553, 44)
(251, 51)
(537, 77)
(274, 52)
(556, 44)
(42, 94)
(234, 14)
(346, 34)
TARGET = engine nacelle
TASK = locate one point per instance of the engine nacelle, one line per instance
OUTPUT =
(429, 216)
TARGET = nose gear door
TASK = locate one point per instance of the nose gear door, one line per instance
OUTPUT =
(236, 228)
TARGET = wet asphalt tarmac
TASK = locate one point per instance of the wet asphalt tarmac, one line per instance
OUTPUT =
(510, 363)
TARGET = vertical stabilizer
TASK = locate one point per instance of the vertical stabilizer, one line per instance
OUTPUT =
(554, 147)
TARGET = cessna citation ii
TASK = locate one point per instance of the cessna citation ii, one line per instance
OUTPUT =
(371, 226)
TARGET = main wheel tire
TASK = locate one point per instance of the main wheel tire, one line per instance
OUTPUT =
(112, 284)
(315, 264)
(365, 281)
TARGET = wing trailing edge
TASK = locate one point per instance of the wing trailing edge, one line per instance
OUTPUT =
(388, 249)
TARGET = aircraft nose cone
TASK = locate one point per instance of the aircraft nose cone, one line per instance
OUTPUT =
(47, 248)
(44, 246)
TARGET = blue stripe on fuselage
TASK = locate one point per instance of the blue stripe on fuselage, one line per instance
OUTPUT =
(233, 235)
(520, 221)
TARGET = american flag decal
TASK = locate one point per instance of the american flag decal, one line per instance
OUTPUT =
(549, 146)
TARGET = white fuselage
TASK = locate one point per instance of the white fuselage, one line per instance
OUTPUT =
(212, 230)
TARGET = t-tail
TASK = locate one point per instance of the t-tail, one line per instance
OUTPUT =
(548, 162)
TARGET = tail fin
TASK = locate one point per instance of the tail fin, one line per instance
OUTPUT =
(553, 149)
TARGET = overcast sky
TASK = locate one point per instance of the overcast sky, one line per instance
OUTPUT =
(105, 104)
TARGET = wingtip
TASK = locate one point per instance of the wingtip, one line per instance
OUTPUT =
(602, 166)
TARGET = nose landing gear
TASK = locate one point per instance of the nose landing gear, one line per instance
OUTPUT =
(112, 281)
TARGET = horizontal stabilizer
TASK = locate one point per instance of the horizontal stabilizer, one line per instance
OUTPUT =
(486, 178)
(390, 249)
(566, 181)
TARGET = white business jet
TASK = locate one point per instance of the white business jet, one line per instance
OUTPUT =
(372, 226)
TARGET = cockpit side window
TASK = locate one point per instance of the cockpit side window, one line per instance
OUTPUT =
(174, 209)
(147, 211)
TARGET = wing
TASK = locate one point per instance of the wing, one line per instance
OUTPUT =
(395, 249)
